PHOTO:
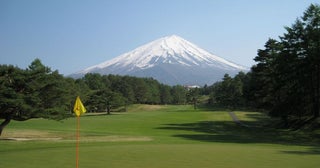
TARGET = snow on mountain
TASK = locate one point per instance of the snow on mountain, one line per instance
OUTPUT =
(171, 60)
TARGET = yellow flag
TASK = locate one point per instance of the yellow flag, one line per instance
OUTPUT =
(79, 108)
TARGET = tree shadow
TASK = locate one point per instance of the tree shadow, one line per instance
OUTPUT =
(102, 114)
(311, 151)
(230, 132)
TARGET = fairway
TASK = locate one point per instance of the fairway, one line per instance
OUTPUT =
(157, 137)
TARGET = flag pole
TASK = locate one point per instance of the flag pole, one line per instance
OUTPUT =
(77, 141)
(78, 109)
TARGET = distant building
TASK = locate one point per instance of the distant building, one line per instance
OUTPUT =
(191, 86)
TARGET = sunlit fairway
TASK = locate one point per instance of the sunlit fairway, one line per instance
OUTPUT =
(157, 137)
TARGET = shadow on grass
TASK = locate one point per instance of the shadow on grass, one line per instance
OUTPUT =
(101, 114)
(230, 132)
(311, 151)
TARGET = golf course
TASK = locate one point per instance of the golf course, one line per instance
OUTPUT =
(154, 136)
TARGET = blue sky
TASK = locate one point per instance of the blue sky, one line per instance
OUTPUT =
(70, 35)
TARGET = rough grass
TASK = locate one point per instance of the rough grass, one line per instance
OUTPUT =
(158, 137)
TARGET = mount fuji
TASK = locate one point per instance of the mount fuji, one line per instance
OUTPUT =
(170, 60)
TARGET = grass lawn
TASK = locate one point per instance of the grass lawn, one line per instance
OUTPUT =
(158, 137)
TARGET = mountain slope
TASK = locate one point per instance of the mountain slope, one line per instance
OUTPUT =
(171, 60)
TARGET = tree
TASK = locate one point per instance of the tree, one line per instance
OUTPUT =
(311, 19)
(286, 79)
(12, 96)
(165, 95)
(141, 90)
(178, 93)
(299, 65)
(124, 86)
(228, 92)
(31, 93)
(104, 100)
(264, 75)
(154, 91)
(193, 96)
(94, 81)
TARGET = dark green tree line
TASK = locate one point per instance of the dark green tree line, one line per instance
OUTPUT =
(104, 90)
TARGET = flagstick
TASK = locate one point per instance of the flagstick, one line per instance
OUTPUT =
(78, 109)
(78, 139)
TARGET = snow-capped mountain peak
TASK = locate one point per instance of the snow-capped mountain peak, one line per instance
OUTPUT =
(170, 49)
(164, 53)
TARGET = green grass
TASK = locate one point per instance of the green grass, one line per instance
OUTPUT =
(158, 137)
